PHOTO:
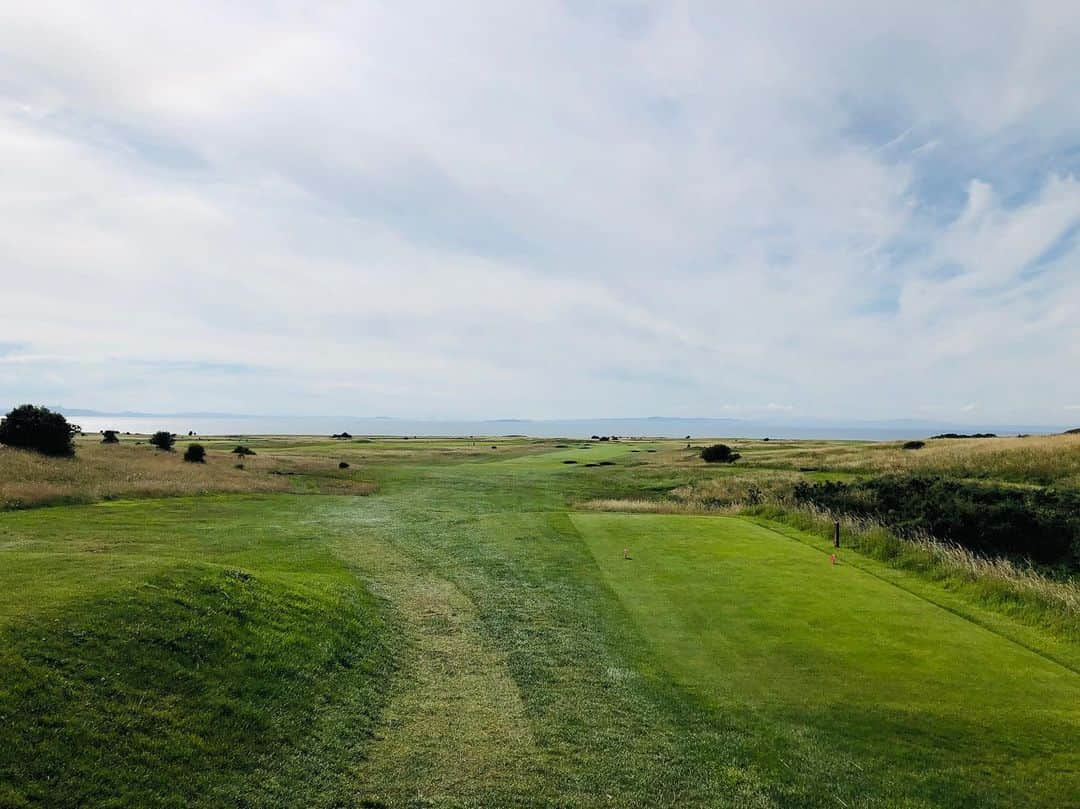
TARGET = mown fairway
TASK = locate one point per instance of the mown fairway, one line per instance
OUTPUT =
(466, 636)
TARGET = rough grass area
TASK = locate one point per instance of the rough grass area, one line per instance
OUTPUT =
(106, 471)
(1041, 460)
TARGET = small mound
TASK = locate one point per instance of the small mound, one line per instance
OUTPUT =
(202, 686)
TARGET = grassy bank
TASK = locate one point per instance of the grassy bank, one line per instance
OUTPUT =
(182, 660)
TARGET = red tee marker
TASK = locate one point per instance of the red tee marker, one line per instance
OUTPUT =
(832, 559)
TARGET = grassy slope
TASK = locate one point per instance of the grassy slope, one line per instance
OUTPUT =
(182, 652)
(522, 678)
(885, 681)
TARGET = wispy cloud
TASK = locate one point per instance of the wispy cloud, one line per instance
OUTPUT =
(549, 210)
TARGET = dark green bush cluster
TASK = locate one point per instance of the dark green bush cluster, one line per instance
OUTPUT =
(38, 428)
(1042, 525)
(195, 453)
(965, 435)
(719, 453)
(914, 444)
(163, 440)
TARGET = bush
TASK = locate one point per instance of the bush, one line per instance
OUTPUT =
(719, 453)
(109, 437)
(241, 451)
(163, 440)
(39, 429)
(195, 453)
(1037, 524)
(914, 444)
(343, 465)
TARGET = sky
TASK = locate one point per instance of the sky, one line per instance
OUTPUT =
(496, 209)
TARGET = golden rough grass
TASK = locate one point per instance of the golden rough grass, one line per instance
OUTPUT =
(640, 506)
(738, 488)
(1045, 460)
(99, 472)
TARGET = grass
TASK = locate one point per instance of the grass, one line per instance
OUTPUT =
(754, 623)
(1040, 460)
(108, 471)
(465, 637)
(185, 669)
(1001, 583)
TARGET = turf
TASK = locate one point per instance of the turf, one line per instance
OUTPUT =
(181, 653)
(873, 676)
(466, 638)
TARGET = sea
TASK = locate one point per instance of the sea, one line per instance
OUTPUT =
(653, 427)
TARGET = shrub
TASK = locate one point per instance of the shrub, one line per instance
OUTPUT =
(1042, 525)
(914, 444)
(39, 429)
(341, 435)
(719, 453)
(110, 437)
(163, 440)
(241, 451)
(343, 465)
(195, 453)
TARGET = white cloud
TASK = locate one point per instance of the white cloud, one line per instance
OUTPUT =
(540, 211)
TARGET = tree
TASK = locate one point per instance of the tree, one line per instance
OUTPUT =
(109, 437)
(163, 440)
(719, 453)
(195, 453)
(39, 429)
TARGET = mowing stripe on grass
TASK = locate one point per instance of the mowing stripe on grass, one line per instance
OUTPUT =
(754, 622)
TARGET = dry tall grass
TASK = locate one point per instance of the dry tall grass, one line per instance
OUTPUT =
(640, 506)
(100, 471)
(1043, 460)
